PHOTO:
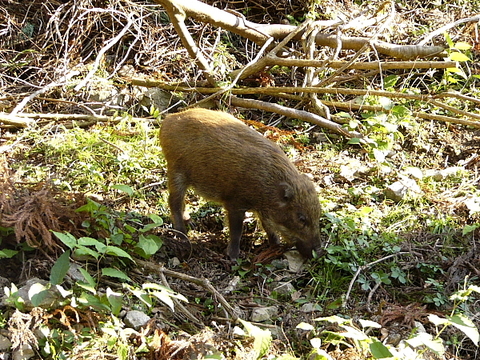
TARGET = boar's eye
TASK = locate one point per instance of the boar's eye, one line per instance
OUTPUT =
(302, 219)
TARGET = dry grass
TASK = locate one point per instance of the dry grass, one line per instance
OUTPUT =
(35, 211)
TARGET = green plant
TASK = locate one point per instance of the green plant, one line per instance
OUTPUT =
(106, 219)
(412, 348)
(262, 338)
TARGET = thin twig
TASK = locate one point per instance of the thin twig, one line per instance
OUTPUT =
(62, 81)
(205, 283)
(101, 54)
(363, 267)
(446, 27)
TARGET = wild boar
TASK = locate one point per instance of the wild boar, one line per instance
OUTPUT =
(227, 162)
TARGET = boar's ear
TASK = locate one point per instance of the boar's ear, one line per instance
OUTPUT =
(285, 192)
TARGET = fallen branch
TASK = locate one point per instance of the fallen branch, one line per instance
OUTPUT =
(259, 33)
(31, 119)
(205, 283)
(63, 80)
(444, 28)
(15, 121)
(293, 113)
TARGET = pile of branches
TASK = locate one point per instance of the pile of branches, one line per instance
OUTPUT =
(54, 52)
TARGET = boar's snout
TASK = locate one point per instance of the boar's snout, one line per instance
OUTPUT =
(306, 248)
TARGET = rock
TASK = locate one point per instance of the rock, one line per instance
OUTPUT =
(439, 175)
(75, 273)
(174, 262)
(310, 307)
(415, 172)
(396, 191)
(102, 93)
(158, 98)
(136, 319)
(5, 343)
(296, 262)
(399, 189)
(284, 288)
(264, 314)
(352, 169)
(23, 353)
(39, 293)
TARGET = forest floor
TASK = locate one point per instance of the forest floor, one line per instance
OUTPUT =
(392, 259)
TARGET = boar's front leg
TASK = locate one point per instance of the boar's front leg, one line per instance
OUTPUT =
(235, 224)
(269, 228)
(177, 189)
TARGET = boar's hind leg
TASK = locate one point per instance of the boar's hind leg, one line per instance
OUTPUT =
(235, 224)
(177, 188)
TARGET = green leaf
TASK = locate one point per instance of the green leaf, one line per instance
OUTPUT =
(448, 39)
(354, 141)
(379, 351)
(67, 238)
(467, 229)
(82, 251)
(334, 319)
(37, 293)
(316, 342)
(115, 300)
(463, 323)
(148, 245)
(115, 273)
(163, 289)
(125, 188)
(262, 338)
(60, 268)
(113, 250)
(353, 333)
(88, 241)
(90, 206)
(462, 46)
(437, 320)
(165, 297)
(94, 302)
(7, 253)
(425, 339)
(305, 326)
(156, 219)
(90, 281)
(456, 56)
(390, 81)
(65, 293)
(369, 323)
(140, 294)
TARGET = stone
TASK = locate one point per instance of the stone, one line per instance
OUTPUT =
(284, 288)
(39, 293)
(5, 343)
(23, 353)
(310, 307)
(136, 319)
(399, 189)
(439, 175)
(296, 262)
(264, 313)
